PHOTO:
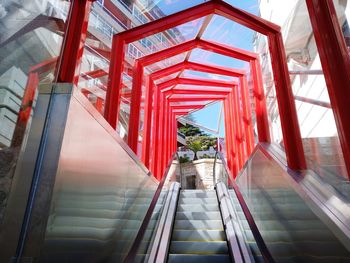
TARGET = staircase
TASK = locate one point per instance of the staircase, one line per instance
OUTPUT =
(198, 234)
(291, 231)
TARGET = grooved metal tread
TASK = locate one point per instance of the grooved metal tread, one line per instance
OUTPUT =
(198, 233)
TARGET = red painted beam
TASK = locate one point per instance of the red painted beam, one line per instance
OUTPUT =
(212, 7)
(197, 67)
(158, 56)
(197, 82)
(73, 45)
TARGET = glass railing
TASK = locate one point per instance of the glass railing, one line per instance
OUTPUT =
(102, 193)
(31, 37)
(292, 229)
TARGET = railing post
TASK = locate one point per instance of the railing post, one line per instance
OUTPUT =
(335, 62)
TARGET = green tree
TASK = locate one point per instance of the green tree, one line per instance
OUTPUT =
(190, 130)
(200, 143)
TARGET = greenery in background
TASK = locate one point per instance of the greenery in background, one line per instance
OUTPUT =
(190, 130)
(200, 143)
(196, 139)
(184, 159)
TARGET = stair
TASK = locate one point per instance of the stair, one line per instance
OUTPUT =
(291, 231)
(198, 234)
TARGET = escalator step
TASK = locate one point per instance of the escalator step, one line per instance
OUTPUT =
(198, 224)
(197, 201)
(180, 258)
(198, 216)
(198, 194)
(188, 247)
(198, 235)
(198, 208)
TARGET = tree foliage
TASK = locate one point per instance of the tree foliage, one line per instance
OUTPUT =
(200, 143)
(190, 130)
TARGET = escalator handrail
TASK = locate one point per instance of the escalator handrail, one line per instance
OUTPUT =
(253, 227)
(139, 237)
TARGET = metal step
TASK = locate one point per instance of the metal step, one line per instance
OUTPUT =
(207, 248)
(198, 208)
(198, 201)
(198, 194)
(198, 224)
(198, 216)
(188, 258)
(198, 235)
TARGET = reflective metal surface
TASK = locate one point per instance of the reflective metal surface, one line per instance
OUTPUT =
(100, 196)
(287, 222)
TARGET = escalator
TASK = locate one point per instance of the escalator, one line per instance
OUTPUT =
(198, 234)
(117, 212)
(259, 223)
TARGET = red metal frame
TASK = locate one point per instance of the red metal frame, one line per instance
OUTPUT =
(73, 46)
(148, 113)
(335, 62)
(289, 122)
(159, 146)
(220, 49)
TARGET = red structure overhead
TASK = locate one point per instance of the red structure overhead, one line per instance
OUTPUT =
(289, 122)
(332, 50)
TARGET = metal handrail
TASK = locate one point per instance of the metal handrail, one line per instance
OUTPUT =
(253, 227)
(137, 242)
(160, 245)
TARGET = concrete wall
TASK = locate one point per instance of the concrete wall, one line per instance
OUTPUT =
(201, 170)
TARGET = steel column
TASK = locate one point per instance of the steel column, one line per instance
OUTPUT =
(73, 46)
(286, 104)
(116, 66)
(146, 138)
(260, 102)
(247, 115)
(239, 128)
(135, 106)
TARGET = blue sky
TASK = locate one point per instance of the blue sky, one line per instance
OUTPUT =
(219, 30)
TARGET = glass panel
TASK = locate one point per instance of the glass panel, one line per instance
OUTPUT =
(31, 35)
(101, 193)
(169, 38)
(202, 75)
(315, 115)
(293, 229)
(290, 229)
(225, 31)
(342, 9)
(262, 48)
